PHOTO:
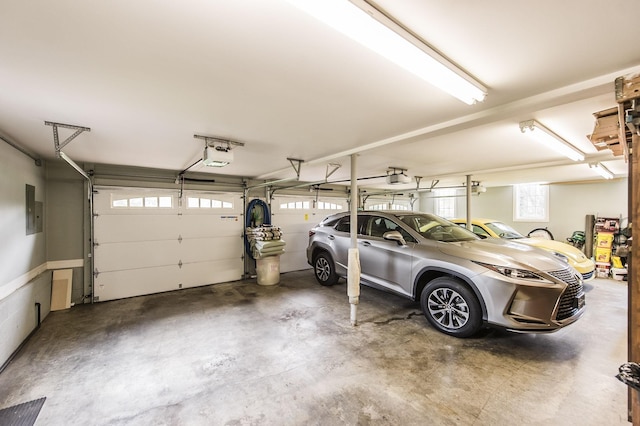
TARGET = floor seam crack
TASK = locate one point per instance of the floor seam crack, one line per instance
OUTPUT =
(392, 319)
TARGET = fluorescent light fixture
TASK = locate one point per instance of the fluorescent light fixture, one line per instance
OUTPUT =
(601, 170)
(368, 26)
(217, 156)
(551, 140)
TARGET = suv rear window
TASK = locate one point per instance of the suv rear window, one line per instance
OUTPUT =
(330, 223)
(344, 225)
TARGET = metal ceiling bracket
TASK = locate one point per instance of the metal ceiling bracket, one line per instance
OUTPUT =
(213, 140)
(395, 170)
(412, 200)
(328, 173)
(418, 179)
(56, 139)
(270, 190)
(296, 164)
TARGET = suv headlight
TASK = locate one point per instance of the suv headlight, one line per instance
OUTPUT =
(521, 274)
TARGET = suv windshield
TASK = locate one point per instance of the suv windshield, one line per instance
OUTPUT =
(436, 228)
(504, 231)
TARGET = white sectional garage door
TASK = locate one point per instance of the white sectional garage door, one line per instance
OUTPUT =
(296, 215)
(148, 243)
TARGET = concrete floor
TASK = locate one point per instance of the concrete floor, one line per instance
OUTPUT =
(244, 354)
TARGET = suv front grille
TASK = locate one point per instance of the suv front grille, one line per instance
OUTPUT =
(567, 306)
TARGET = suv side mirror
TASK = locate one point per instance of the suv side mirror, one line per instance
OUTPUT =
(394, 236)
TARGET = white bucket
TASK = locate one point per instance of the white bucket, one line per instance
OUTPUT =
(268, 270)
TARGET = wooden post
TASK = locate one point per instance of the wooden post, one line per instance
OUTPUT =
(627, 91)
(633, 276)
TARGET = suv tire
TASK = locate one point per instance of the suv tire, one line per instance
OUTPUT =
(451, 307)
(324, 269)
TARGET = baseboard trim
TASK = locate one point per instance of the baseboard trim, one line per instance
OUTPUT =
(65, 264)
(13, 285)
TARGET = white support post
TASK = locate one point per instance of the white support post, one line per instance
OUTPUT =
(353, 275)
(468, 188)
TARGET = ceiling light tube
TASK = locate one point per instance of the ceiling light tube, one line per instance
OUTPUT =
(551, 140)
(601, 170)
(363, 23)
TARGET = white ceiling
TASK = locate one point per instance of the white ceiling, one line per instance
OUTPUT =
(146, 76)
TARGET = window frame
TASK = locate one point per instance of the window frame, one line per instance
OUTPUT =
(212, 202)
(534, 199)
(144, 200)
(449, 195)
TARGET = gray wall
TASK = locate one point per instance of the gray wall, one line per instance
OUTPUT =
(24, 280)
(67, 206)
(568, 205)
(65, 211)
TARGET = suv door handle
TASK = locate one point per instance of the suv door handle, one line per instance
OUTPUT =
(366, 243)
(331, 237)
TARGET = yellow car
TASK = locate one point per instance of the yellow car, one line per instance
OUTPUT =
(493, 228)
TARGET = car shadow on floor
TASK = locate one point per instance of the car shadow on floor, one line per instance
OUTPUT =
(381, 308)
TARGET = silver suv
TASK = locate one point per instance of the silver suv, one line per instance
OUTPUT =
(463, 282)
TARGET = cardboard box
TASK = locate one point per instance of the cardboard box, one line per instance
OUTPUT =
(61, 289)
(607, 224)
(606, 133)
(627, 87)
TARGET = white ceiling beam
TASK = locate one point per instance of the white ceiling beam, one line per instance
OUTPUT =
(572, 93)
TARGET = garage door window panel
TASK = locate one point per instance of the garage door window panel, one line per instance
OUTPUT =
(203, 202)
(328, 205)
(138, 202)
